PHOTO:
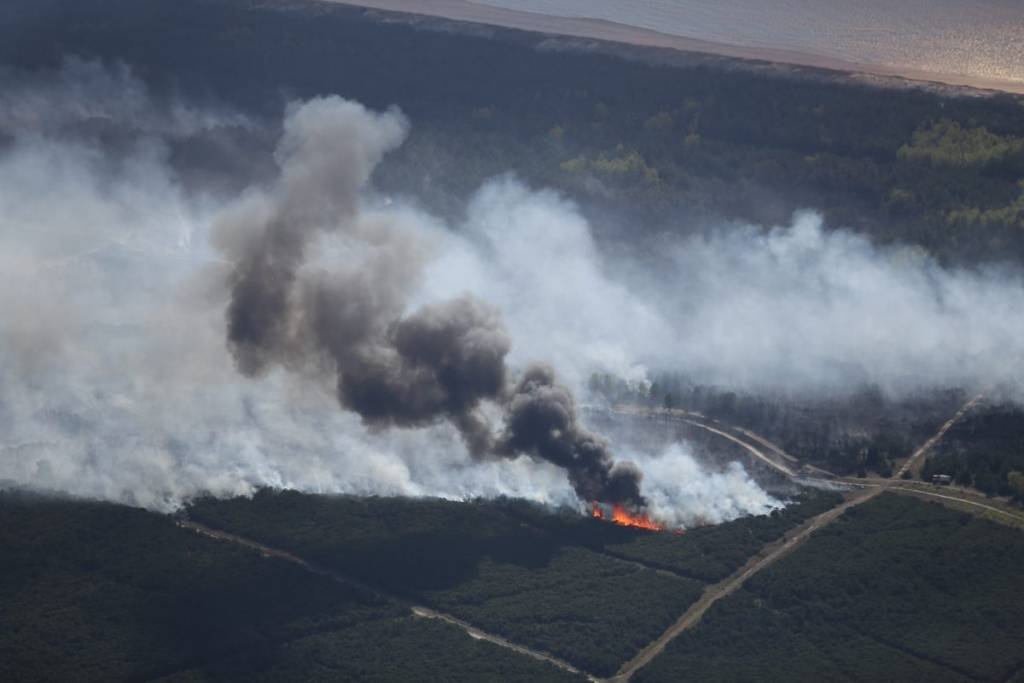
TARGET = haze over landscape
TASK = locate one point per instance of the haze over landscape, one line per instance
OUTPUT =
(511, 340)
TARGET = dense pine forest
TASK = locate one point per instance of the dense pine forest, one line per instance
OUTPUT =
(655, 142)
(94, 591)
(896, 589)
(652, 146)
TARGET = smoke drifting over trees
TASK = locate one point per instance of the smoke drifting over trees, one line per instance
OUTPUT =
(441, 361)
(161, 338)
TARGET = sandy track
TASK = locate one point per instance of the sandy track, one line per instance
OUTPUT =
(774, 552)
(474, 632)
(767, 556)
(750, 448)
(767, 444)
(911, 490)
(417, 610)
(712, 594)
(930, 443)
(777, 461)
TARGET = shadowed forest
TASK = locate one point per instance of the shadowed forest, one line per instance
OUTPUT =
(101, 592)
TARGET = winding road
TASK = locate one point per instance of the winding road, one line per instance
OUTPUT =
(779, 460)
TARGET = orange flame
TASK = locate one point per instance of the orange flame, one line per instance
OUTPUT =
(623, 517)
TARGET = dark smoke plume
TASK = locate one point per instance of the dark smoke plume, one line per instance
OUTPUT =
(392, 368)
(541, 420)
(442, 361)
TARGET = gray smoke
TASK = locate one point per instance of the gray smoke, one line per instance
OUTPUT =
(89, 98)
(541, 420)
(116, 381)
(392, 367)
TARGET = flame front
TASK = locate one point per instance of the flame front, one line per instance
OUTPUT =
(623, 517)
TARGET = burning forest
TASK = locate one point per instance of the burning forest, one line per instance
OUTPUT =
(521, 356)
(393, 367)
(318, 329)
(312, 332)
(618, 514)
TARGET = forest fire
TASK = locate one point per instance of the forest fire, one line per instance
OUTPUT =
(623, 517)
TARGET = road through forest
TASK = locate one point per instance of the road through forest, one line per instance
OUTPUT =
(782, 462)
(417, 610)
(774, 552)
(765, 557)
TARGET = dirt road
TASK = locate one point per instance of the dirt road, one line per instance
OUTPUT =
(779, 461)
(474, 632)
(930, 443)
(417, 610)
(774, 552)
(767, 556)
(962, 499)
(767, 444)
(712, 594)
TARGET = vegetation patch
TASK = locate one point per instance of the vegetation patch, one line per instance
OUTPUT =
(895, 589)
(476, 562)
(984, 450)
(100, 592)
(708, 554)
(639, 142)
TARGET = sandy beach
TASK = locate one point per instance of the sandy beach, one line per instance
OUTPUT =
(463, 10)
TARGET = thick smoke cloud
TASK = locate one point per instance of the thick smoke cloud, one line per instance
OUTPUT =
(791, 308)
(800, 308)
(541, 419)
(393, 368)
(116, 381)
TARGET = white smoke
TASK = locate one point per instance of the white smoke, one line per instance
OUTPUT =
(682, 493)
(534, 255)
(84, 94)
(789, 308)
(116, 382)
(806, 309)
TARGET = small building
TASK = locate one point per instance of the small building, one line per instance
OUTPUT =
(942, 479)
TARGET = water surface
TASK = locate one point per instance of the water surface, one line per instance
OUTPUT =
(972, 39)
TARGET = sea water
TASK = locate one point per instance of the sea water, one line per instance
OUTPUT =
(976, 39)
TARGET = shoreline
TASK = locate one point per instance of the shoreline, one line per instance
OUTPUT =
(601, 30)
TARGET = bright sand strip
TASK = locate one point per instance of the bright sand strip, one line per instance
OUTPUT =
(598, 29)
